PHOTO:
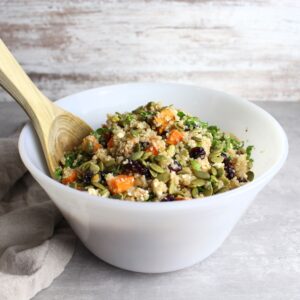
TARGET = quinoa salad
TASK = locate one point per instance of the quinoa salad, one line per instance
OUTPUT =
(154, 154)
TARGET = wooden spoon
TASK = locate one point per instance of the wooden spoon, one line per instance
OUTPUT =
(57, 129)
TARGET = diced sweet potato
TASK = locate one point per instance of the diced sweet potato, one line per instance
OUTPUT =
(152, 149)
(175, 137)
(69, 176)
(90, 144)
(120, 183)
(163, 119)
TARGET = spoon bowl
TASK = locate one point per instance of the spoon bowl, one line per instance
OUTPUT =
(57, 129)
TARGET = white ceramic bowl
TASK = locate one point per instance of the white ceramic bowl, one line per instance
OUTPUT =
(161, 237)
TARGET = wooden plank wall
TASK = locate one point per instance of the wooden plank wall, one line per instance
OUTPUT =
(249, 48)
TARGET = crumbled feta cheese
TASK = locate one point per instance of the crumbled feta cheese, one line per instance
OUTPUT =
(192, 143)
(92, 191)
(218, 165)
(240, 165)
(174, 178)
(120, 134)
(138, 194)
(140, 180)
(185, 179)
(159, 188)
(142, 125)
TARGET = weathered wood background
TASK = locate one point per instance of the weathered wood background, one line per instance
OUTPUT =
(249, 48)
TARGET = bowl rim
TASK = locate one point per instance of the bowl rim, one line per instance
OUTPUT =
(206, 201)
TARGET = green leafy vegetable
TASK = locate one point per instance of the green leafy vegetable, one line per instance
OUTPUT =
(102, 134)
(194, 122)
(213, 130)
(127, 118)
(69, 159)
(249, 150)
(180, 114)
(58, 173)
(146, 115)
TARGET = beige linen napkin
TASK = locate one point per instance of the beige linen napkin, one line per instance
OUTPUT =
(35, 242)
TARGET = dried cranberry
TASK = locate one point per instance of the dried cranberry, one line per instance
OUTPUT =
(134, 166)
(168, 198)
(227, 162)
(197, 152)
(230, 173)
(228, 167)
(175, 166)
(131, 166)
(87, 177)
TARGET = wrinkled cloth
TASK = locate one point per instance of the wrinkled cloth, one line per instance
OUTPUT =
(35, 242)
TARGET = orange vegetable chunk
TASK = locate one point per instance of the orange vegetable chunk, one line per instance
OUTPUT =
(152, 149)
(69, 176)
(120, 183)
(110, 143)
(164, 118)
(175, 137)
(90, 144)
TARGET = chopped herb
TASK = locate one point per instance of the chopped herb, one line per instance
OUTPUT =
(151, 197)
(180, 114)
(58, 173)
(213, 130)
(134, 133)
(218, 145)
(194, 122)
(69, 159)
(236, 143)
(146, 115)
(127, 118)
(102, 134)
(249, 150)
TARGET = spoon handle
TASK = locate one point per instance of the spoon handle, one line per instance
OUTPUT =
(15, 81)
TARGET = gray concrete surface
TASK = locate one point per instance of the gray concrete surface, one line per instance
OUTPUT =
(260, 259)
